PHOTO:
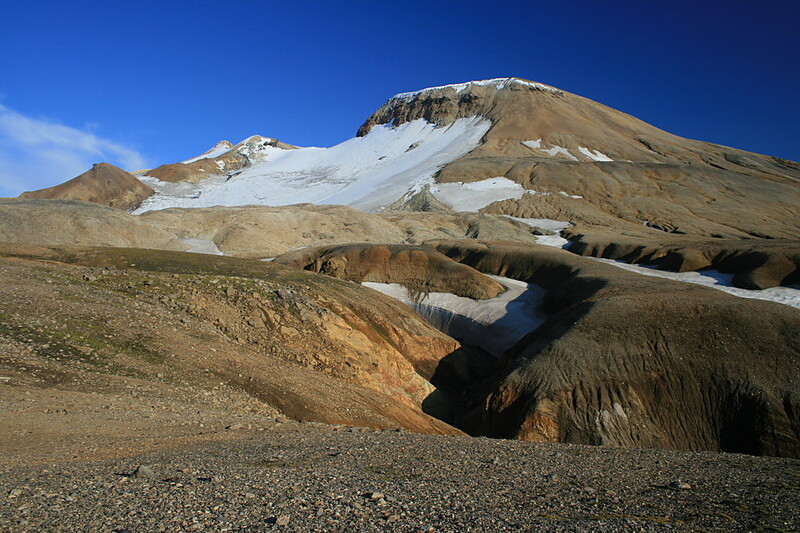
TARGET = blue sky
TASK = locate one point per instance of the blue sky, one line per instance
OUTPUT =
(144, 83)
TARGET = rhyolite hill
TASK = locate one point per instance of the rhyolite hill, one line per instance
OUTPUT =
(442, 190)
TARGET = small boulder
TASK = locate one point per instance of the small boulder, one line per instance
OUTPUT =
(143, 471)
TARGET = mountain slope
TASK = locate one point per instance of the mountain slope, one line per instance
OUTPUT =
(223, 159)
(254, 232)
(310, 346)
(610, 356)
(533, 140)
(632, 361)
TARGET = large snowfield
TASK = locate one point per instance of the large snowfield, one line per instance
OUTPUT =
(477, 195)
(368, 173)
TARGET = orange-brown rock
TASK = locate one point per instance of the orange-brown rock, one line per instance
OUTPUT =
(231, 161)
(313, 347)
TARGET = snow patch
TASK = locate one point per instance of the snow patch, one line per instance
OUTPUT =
(495, 324)
(712, 278)
(574, 196)
(555, 241)
(594, 155)
(202, 246)
(536, 144)
(543, 223)
(477, 195)
(258, 147)
(218, 149)
(555, 150)
(547, 224)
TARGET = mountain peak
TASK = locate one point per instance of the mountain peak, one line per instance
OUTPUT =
(103, 184)
(498, 83)
(447, 103)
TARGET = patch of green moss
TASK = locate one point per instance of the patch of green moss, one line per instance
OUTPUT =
(85, 342)
(47, 344)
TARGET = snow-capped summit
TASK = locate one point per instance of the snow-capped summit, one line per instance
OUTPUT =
(224, 159)
(258, 147)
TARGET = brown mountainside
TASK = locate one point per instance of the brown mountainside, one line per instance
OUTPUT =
(549, 140)
(103, 184)
(632, 361)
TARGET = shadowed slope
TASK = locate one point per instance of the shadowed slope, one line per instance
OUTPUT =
(630, 361)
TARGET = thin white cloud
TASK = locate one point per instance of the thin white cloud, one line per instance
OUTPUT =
(37, 153)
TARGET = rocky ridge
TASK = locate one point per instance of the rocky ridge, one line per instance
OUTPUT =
(228, 163)
(418, 268)
(253, 232)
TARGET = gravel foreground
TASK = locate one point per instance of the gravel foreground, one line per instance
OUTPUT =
(315, 477)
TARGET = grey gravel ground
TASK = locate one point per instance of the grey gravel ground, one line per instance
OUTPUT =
(314, 477)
